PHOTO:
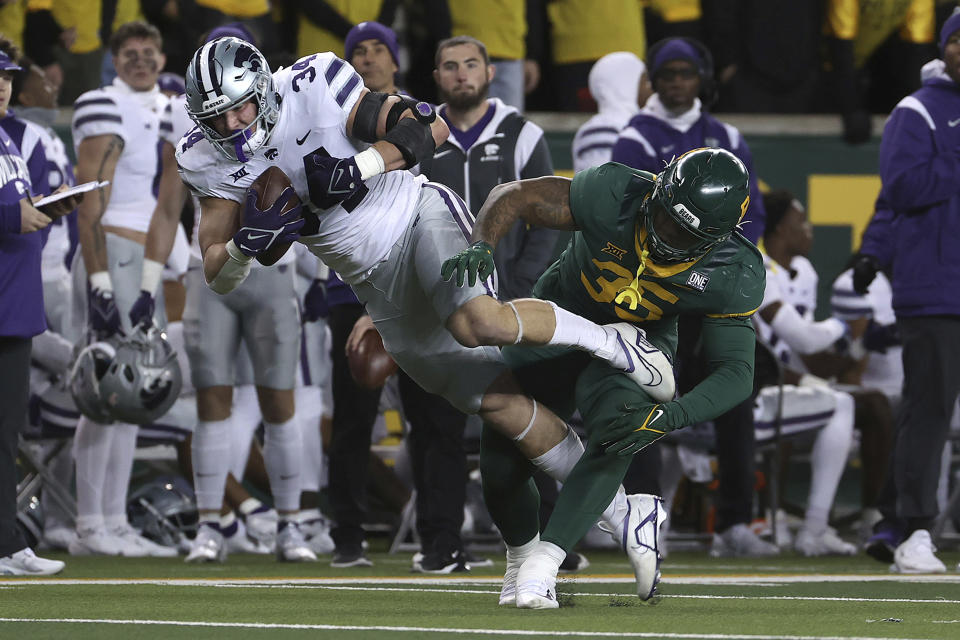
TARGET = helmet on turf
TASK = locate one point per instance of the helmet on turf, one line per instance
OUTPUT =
(697, 202)
(165, 511)
(223, 74)
(143, 379)
(87, 373)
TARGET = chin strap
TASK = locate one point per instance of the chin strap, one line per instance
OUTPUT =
(630, 294)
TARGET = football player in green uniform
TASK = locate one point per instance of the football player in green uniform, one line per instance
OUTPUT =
(645, 249)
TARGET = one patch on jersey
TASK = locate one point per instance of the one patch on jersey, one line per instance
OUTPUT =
(698, 280)
(685, 213)
(239, 174)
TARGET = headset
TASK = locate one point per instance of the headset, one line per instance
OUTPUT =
(708, 83)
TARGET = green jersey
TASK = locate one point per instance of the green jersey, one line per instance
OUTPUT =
(724, 286)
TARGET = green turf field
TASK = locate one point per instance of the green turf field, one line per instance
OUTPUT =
(253, 596)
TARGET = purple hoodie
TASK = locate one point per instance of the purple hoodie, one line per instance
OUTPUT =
(920, 171)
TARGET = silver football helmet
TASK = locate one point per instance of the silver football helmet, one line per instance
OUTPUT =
(143, 380)
(87, 372)
(165, 510)
(223, 74)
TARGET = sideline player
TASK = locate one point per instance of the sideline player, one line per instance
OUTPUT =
(383, 230)
(646, 249)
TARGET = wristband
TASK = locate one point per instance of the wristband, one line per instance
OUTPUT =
(150, 276)
(370, 163)
(100, 280)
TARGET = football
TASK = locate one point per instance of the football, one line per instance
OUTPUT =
(370, 364)
(269, 185)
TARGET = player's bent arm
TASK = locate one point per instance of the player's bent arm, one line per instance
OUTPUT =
(163, 223)
(224, 266)
(541, 202)
(391, 154)
(800, 334)
(97, 158)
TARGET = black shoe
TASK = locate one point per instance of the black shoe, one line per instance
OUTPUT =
(440, 562)
(574, 562)
(475, 560)
(350, 556)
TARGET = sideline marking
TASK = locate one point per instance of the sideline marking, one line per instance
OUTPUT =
(486, 632)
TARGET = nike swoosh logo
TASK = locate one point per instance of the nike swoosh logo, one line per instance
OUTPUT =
(257, 237)
(125, 264)
(440, 154)
(283, 477)
(304, 138)
(656, 417)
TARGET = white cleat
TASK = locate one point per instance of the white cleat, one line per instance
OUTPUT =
(241, 542)
(317, 533)
(827, 543)
(208, 546)
(262, 527)
(739, 541)
(640, 538)
(915, 555)
(26, 563)
(292, 547)
(95, 542)
(144, 547)
(59, 537)
(644, 363)
(536, 585)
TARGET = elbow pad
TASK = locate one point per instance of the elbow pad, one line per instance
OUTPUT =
(803, 336)
(414, 139)
(233, 272)
(368, 113)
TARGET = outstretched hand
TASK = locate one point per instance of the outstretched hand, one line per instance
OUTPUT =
(638, 427)
(476, 261)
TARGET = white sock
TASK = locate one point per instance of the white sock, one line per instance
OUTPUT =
(612, 516)
(281, 453)
(580, 333)
(211, 462)
(246, 419)
(558, 461)
(827, 461)
(308, 421)
(123, 446)
(516, 555)
(548, 556)
(91, 450)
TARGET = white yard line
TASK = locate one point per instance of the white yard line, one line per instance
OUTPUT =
(486, 632)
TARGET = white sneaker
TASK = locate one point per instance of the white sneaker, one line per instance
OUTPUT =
(536, 584)
(59, 537)
(26, 563)
(149, 548)
(208, 546)
(915, 555)
(739, 541)
(317, 533)
(262, 527)
(292, 547)
(95, 542)
(639, 537)
(827, 543)
(642, 362)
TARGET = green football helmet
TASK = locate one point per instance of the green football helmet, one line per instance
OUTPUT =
(697, 202)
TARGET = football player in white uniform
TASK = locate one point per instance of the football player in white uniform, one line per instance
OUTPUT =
(384, 231)
(786, 324)
(263, 313)
(115, 132)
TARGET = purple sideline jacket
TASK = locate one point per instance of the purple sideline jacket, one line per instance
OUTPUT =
(920, 171)
(21, 289)
(649, 143)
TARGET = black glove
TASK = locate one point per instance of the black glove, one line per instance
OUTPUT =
(142, 310)
(104, 316)
(865, 269)
(880, 337)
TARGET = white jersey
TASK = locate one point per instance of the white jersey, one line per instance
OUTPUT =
(174, 125)
(796, 286)
(884, 370)
(60, 172)
(134, 117)
(317, 94)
